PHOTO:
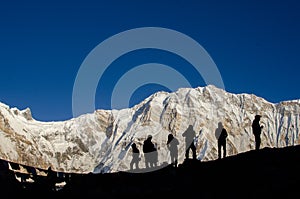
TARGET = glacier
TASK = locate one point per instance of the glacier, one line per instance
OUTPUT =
(99, 142)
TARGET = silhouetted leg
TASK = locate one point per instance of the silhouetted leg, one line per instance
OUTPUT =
(193, 147)
(131, 165)
(147, 160)
(156, 159)
(151, 159)
(135, 164)
(219, 150)
(187, 151)
(257, 142)
(172, 159)
(224, 150)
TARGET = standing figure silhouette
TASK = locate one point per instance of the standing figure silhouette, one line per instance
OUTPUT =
(135, 157)
(150, 153)
(189, 135)
(256, 128)
(172, 144)
(222, 141)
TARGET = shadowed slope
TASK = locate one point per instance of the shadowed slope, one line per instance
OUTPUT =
(253, 174)
(269, 172)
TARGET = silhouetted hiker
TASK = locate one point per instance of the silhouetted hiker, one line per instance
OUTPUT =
(135, 157)
(150, 152)
(256, 128)
(172, 144)
(221, 140)
(189, 135)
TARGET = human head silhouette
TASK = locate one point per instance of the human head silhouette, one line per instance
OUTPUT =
(218, 130)
(220, 125)
(170, 138)
(257, 117)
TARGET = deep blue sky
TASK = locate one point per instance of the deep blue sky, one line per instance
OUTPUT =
(255, 45)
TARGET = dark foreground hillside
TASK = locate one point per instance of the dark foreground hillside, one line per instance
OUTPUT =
(270, 172)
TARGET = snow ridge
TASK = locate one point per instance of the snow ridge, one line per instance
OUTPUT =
(100, 142)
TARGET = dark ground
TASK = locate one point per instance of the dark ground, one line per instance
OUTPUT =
(268, 173)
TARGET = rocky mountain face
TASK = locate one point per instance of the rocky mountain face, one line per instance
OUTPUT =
(100, 142)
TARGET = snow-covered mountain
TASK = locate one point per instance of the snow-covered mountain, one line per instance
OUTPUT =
(100, 142)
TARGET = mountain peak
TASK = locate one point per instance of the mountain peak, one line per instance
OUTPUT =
(101, 141)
